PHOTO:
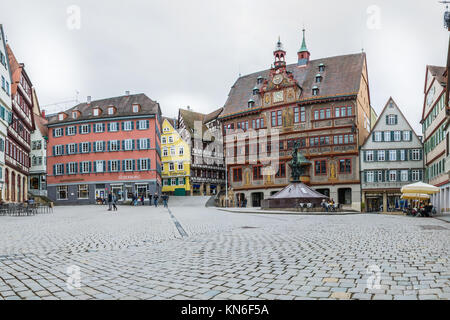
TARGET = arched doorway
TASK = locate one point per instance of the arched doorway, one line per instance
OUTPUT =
(6, 184)
(13, 186)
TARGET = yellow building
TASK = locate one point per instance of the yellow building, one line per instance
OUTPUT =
(176, 157)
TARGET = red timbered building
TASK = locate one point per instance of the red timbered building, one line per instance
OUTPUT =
(322, 104)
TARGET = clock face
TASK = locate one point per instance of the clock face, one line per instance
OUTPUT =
(430, 97)
(277, 79)
(278, 96)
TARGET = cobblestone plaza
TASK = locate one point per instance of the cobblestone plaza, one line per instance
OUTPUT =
(194, 252)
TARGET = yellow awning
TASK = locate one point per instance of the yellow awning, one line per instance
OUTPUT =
(420, 188)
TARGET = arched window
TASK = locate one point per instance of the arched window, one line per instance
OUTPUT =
(315, 91)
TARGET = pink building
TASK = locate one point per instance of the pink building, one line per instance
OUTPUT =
(106, 145)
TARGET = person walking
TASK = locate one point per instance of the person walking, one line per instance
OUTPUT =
(109, 201)
(142, 199)
(155, 199)
(149, 199)
(114, 202)
(165, 200)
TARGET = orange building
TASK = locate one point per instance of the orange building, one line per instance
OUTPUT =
(105, 145)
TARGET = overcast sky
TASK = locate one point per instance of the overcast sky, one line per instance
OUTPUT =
(191, 52)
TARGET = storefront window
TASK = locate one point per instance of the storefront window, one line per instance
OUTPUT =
(83, 191)
(61, 193)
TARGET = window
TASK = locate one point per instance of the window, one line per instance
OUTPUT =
(60, 117)
(406, 135)
(345, 166)
(85, 128)
(320, 167)
(85, 167)
(391, 119)
(296, 115)
(387, 136)
(58, 169)
(397, 136)
(61, 193)
(381, 155)
(99, 127)
(144, 144)
(99, 167)
(402, 155)
(143, 124)
(163, 140)
(58, 132)
(113, 126)
(416, 154)
(71, 131)
(172, 151)
(392, 175)
(378, 136)
(237, 174)
(281, 170)
(171, 166)
(370, 176)
(71, 148)
(180, 166)
(321, 67)
(257, 173)
(128, 165)
(369, 156)
(135, 108)
(58, 150)
(415, 175)
(143, 164)
(315, 91)
(72, 168)
(181, 151)
(127, 125)
(174, 181)
(343, 111)
(96, 112)
(114, 145)
(165, 152)
(170, 139)
(128, 144)
(83, 191)
(392, 155)
(276, 118)
(404, 175)
(114, 165)
(111, 110)
(99, 146)
(85, 147)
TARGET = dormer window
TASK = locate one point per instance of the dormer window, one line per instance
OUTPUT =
(318, 78)
(321, 67)
(251, 103)
(61, 117)
(255, 91)
(315, 91)
(75, 114)
(136, 108)
(111, 110)
(96, 112)
(259, 80)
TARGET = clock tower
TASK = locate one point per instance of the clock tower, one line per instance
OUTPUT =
(279, 55)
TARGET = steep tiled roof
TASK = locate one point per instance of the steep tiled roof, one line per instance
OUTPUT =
(342, 76)
(439, 74)
(123, 104)
(16, 69)
(213, 115)
(189, 118)
(172, 121)
(41, 124)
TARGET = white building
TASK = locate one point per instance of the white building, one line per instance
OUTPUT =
(5, 106)
(391, 157)
(38, 175)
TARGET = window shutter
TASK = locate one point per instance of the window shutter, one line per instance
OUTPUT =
(137, 124)
(54, 150)
(53, 132)
(67, 167)
(89, 128)
(95, 166)
(67, 131)
(373, 136)
(375, 155)
(398, 155)
(375, 176)
(134, 165)
(396, 119)
(138, 144)
(109, 127)
(147, 124)
(421, 154)
(123, 125)
(132, 125)
(94, 129)
(392, 135)
(365, 156)
(148, 143)
(109, 165)
(148, 164)
(76, 167)
(139, 165)
(383, 175)
(90, 167)
(387, 119)
(104, 145)
(123, 165)
(94, 146)
(81, 147)
(90, 143)
(398, 175)
(103, 127)
(409, 175)
(54, 170)
(382, 136)
(104, 165)
(365, 176)
(132, 146)
(420, 175)
(123, 145)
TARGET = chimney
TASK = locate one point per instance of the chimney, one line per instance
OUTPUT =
(127, 93)
(89, 99)
(43, 113)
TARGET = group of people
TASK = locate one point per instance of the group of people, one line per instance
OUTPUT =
(421, 209)
(328, 205)
(153, 200)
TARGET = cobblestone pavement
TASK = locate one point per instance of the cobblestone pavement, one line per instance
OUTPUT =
(140, 253)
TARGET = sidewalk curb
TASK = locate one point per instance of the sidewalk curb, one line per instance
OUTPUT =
(292, 213)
